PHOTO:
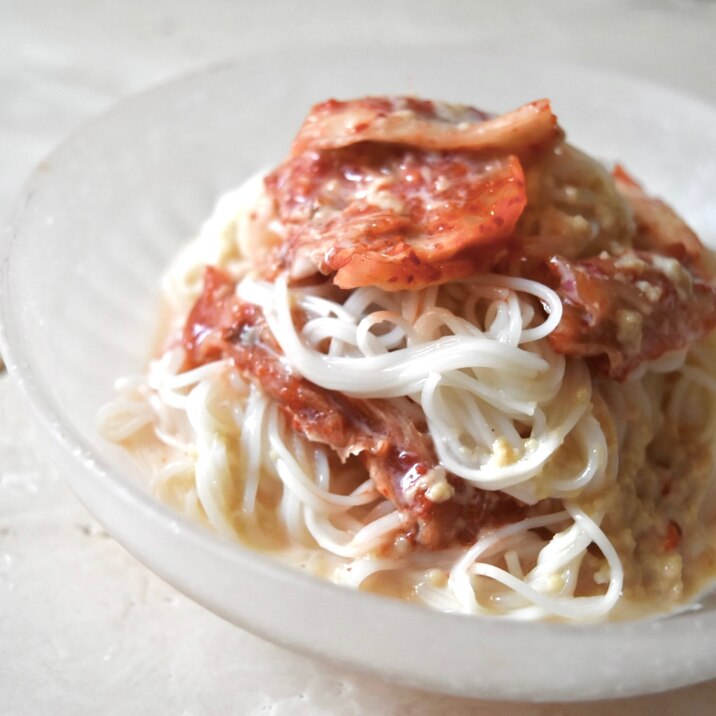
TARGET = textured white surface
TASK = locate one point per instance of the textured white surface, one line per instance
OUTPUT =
(83, 627)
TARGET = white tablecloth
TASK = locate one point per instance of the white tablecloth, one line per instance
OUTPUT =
(84, 628)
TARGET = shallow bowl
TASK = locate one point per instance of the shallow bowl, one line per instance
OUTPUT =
(99, 222)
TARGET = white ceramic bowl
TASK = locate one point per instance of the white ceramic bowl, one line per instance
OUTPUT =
(99, 222)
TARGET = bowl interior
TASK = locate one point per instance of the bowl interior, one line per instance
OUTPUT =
(103, 216)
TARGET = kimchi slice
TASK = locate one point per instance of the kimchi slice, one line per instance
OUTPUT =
(622, 311)
(393, 217)
(427, 125)
(658, 227)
